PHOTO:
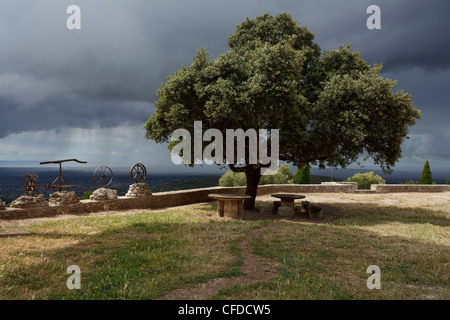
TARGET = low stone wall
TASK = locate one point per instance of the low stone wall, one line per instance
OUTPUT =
(390, 188)
(163, 200)
(184, 197)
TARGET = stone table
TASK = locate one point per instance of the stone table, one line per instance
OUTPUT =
(230, 205)
(287, 199)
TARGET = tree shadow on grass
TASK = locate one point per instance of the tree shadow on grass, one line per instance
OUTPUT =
(329, 261)
(142, 260)
(369, 214)
(145, 259)
(363, 214)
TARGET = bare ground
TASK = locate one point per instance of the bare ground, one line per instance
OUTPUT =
(255, 269)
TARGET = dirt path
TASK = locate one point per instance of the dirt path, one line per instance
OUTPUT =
(255, 269)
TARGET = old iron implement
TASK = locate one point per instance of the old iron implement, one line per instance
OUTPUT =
(59, 182)
(138, 172)
(103, 176)
(30, 185)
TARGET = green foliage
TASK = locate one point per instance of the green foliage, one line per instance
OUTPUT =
(238, 179)
(365, 180)
(411, 181)
(330, 107)
(448, 181)
(86, 195)
(303, 175)
(233, 179)
(426, 174)
(283, 176)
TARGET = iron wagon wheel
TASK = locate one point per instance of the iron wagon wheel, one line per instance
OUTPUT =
(103, 176)
(138, 172)
(30, 185)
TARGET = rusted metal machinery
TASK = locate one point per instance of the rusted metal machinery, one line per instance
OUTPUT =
(30, 185)
(103, 176)
(138, 172)
(31, 181)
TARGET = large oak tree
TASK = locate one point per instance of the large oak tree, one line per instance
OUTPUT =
(330, 107)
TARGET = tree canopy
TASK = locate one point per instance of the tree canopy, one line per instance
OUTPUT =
(330, 107)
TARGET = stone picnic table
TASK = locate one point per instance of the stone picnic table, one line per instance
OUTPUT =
(230, 205)
(287, 206)
(287, 199)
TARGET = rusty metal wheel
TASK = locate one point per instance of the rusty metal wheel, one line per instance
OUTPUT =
(138, 172)
(103, 176)
(30, 185)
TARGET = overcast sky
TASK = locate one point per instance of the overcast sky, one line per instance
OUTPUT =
(87, 93)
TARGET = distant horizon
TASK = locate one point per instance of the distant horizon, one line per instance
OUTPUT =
(195, 171)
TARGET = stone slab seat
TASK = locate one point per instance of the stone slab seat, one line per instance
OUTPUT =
(230, 205)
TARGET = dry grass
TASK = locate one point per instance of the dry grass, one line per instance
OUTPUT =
(135, 256)
(143, 255)
(406, 235)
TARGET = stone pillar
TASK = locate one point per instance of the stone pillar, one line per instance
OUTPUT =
(233, 209)
(220, 208)
(287, 203)
(287, 212)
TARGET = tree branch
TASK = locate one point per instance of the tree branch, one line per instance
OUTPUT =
(234, 169)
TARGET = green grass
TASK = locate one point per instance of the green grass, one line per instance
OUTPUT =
(329, 261)
(137, 256)
(145, 255)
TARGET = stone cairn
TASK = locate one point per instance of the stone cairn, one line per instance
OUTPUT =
(61, 198)
(103, 194)
(2, 205)
(138, 190)
(29, 202)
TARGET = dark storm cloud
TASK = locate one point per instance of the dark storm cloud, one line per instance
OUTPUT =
(70, 112)
(108, 73)
(414, 34)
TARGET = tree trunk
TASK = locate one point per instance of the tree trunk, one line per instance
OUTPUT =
(253, 176)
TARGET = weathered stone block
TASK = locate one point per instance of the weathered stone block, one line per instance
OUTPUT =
(62, 198)
(2, 205)
(103, 194)
(29, 202)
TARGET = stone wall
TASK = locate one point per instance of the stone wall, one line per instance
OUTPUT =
(184, 197)
(388, 188)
